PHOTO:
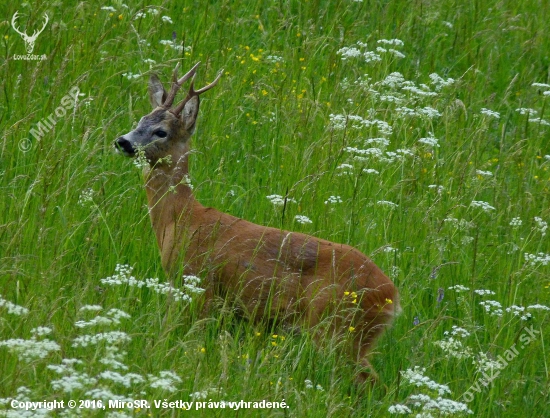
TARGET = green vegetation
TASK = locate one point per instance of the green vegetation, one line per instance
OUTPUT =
(435, 151)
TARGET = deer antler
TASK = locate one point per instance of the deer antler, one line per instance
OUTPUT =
(38, 32)
(192, 93)
(13, 19)
(177, 83)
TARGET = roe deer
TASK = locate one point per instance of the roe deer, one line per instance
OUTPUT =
(270, 273)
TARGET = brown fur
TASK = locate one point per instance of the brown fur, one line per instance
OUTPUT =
(270, 273)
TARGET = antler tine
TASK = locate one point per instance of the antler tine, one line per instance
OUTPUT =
(212, 84)
(189, 74)
(192, 92)
(176, 83)
(13, 19)
(37, 32)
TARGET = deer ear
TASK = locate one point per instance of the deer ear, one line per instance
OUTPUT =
(190, 113)
(157, 94)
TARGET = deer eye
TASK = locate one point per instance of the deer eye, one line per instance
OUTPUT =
(160, 133)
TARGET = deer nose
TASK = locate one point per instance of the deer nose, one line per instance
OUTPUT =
(122, 144)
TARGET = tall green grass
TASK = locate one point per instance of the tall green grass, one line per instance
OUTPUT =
(72, 209)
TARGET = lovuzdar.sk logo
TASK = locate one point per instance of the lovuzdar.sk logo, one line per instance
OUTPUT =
(29, 39)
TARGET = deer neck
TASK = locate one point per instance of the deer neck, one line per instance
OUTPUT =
(170, 197)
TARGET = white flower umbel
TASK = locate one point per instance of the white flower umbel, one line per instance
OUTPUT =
(490, 113)
(458, 288)
(166, 380)
(486, 207)
(302, 219)
(123, 276)
(430, 141)
(484, 292)
(541, 225)
(416, 378)
(333, 199)
(126, 380)
(516, 222)
(113, 316)
(454, 348)
(111, 337)
(426, 404)
(12, 308)
(492, 307)
(534, 260)
(32, 349)
(278, 200)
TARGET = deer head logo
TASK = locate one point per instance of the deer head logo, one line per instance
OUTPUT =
(29, 40)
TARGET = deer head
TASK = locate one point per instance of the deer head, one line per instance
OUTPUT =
(29, 40)
(166, 130)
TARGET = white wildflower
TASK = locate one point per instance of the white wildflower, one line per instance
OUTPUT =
(484, 173)
(371, 56)
(393, 80)
(457, 331)
(485, 364)
(399, 409)
(370, 171)
(279, 200)
(302, 219)
(348, 52)
(416, 377)
(454, 348)
(32, 349)
(131, 76)
(333, 199)
(73, 381)
(492, 307)
(490, 113)
(167, 19)
(430, 140)
(526, 111)
(537, 259)
(273, 59)
(429, 112)
(41, 331)
(459, 288)
(112, 337)
(397, 53)
(540, 121)
(483, 292)
(516, 222)
(395, 42)
(126, 380)
(419, 92)
(516, 310)
(541, 226)
(543, 85)
(439, 82)
(381, 142)
(12, 308)
(166, 380)
(86, 197)
(486, 207)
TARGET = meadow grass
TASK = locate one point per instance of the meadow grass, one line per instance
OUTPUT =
(443, 180)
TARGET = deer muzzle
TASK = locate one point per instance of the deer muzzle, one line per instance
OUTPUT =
(125, 146)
